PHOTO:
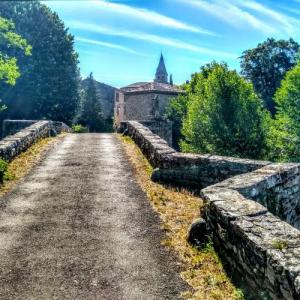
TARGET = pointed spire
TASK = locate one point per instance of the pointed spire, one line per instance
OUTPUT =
(171, 79)
(161, 74)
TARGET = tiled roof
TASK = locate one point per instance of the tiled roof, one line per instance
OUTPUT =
(140, 87)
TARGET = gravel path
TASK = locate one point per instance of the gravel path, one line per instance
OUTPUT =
(79, 227)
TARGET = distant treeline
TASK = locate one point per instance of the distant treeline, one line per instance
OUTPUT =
(255, 114)
(50, 85)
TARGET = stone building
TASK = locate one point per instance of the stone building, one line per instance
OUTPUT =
(145, 101)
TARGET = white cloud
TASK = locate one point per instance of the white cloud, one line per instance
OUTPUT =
(240, 12)
(149, 38)
(149, 16)
(284, 21)
(108, 45)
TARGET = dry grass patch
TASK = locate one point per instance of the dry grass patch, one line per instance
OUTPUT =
(177, 208)
(24, 162)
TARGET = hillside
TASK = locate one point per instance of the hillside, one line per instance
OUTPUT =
(106, 95)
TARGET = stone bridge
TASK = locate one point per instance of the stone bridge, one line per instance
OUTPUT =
(79, 226)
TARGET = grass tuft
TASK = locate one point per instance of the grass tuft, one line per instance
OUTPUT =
(24, 162)
(202, 268)
(279, 244)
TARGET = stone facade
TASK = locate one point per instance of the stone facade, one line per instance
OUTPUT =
(147, 101)
(251, 211)
(161, 127)
(13, 145)
(143, 101)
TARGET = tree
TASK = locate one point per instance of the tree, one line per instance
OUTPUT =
(224, 115)
(176, 112)
(177, 108)
(266, 66)
(284, 137)
(49, 86)
(9, 71)
(91, 115)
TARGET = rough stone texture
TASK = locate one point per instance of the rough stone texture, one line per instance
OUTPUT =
(183, 168)
(198, 233)
(244, 213)
(142, 106)
(264, 250)
(161, 127)
(13, 126)
(13, 145)
(153, 147)
(276, 186)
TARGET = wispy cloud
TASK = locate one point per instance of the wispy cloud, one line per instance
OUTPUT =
(149, 38)
(283, 21)
(149, 16)
(251, 13)
(108, 45)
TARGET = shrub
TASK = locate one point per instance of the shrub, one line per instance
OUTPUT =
(284, 137)
(78, 128)
(224, 115)
(3, 169)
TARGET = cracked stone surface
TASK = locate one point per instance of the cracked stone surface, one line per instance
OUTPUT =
(79, 227)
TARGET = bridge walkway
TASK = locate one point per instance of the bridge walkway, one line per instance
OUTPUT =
(79, 227)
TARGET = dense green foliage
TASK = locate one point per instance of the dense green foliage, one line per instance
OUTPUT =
(91, 115)
(266, 66)
(78, 128)
(48, 87)
(284, 137)
(9, 71)
(3, 169)
(176, 111)
(224, 115)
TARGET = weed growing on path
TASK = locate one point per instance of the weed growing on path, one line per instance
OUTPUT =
(202, 268)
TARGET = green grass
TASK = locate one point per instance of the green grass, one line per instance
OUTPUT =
(279, 244)
(23, 163)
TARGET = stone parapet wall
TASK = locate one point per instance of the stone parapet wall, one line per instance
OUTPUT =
(13, 145)
(246, 205)
(276, 186)
(261, 248)
(161, 127)
(10, 127)
(153, 147)
(183, 168)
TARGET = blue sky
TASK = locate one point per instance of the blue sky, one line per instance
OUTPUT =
(120, 41)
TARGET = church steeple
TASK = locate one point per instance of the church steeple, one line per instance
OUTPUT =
(161, 74)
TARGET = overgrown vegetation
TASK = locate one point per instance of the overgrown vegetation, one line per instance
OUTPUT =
(202, 269)
(49, 85)
(9, 70)
(23, 163)
(3, 169)
(78, 128)
(223, 116)
(279, 244)
(266, 65)
(284, 135)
